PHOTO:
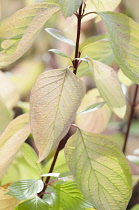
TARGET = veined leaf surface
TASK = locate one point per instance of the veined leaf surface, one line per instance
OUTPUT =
(34, 204)
(96, 121)
(109, 87)
(69, 196)
(24, 189)
(68, 7)
(123, 33)
(20, 30)
(12, 139)
(100, 170)
(54, 101)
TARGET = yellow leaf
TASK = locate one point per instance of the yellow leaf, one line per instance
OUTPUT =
(21, 29)
(8, 91)
(54, 101)
(96, 121)
(109, 86)
(12, 139)
(7, 202)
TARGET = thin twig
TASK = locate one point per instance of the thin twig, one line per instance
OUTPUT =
(130, 118)
(77, 54)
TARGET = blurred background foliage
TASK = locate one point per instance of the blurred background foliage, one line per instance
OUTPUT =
(17, 79)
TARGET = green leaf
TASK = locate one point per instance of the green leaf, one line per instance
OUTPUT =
(24, 76)
(133, 159)
(69, 197)
(12, 139)
(92, 108)
(99, 50)
(100, 170)
(58, 52)
(109, 86)
(136, 207)
(105, 5)
(96, 121)
(123, 34)
(20, 30)
(6, 116)
(34, 204)
(25, 189)
(8, 91)
(123, 79)
(60, 166)
(31, 156)
(68, 7)
(55, 98)
(58, 35)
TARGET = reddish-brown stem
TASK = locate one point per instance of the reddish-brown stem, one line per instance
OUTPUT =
(130, 118)
(41, 194)
(77, 53)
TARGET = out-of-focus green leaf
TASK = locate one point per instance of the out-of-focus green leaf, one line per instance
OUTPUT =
(25, 189)
(92, 108)
(133, 159)
(99, 50)
(20, 30)
(109, 87)
(105, 5)
(96, 121)
(19, 169)
(69, 197)
(25, 74)
(12, 139)
(60, 166)
(8, 91)
(6, 116)
(58, 35)
(28, 2)
(136, 207)
(92, 39)
(54, 101)
(31, 157)
(100, 169)
(34, 204)
(68, 7)
(24, 106)
(123, 33)
(123, 79)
